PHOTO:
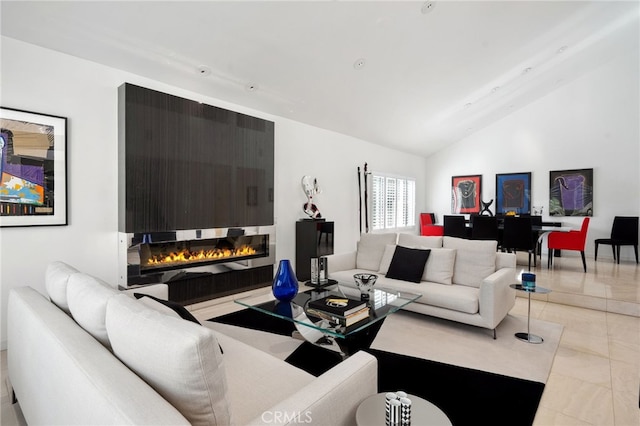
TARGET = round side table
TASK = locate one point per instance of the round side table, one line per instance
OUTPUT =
(371, 412)
(528, 337)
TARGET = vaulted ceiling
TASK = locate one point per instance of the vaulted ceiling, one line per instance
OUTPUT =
(414, 76)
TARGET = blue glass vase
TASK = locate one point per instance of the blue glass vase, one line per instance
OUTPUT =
(285, 283)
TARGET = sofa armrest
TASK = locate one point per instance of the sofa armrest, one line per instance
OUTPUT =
(331, 399)
(161, 291)
(62, 375)
(341, 262)
(496, 297)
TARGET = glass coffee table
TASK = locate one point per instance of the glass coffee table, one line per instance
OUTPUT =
(344, 340)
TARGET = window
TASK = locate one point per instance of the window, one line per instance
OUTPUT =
(394, 202)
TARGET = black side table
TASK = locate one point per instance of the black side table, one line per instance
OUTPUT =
(528, 337)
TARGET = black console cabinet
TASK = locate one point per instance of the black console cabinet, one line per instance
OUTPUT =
(314, 238)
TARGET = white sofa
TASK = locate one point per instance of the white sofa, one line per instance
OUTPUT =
(93, 355)
(463, 280)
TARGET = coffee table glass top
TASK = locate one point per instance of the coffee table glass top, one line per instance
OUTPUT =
(382, 302)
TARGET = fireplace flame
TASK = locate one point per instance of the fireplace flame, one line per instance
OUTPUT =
(187, 256)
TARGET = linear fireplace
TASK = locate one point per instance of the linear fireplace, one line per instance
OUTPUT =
(199, 265)
(169, 255)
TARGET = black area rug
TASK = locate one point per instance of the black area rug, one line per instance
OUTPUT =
(467, 396)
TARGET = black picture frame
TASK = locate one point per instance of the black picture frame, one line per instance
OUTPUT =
(513, 193)
(33, 169)
(571, 192)
(466, 193)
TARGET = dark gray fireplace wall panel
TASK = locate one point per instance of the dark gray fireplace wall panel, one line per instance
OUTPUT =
(187, 165)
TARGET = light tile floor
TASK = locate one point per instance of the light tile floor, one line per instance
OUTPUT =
(595, 377)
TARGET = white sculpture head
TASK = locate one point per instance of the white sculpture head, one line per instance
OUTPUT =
(310, 188)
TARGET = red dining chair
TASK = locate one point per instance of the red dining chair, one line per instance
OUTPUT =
(572, 240)
(428, 226)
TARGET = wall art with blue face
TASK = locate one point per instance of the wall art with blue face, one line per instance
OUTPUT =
(513, 193)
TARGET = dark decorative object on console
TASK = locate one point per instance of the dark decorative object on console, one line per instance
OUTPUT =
(485, 207)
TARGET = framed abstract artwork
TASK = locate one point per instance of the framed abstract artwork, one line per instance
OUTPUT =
(465, 194)
(33, 169)
(571, 192)
(513, 193)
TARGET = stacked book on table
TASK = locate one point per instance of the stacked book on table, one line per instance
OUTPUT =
(340, 310)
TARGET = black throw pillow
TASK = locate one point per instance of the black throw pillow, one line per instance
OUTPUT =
(408, 264)
(176, 307)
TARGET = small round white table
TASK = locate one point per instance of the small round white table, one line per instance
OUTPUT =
(371, 412)
(528, 337)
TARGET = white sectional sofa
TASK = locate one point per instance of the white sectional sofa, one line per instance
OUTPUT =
(93, 355)
(463, 280)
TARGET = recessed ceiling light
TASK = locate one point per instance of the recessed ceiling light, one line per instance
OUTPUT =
(359, 63)
(251, 87)
(204, 70)
(427, 7)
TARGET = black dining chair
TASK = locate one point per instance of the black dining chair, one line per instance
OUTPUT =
(484, 228)
(536, 231)
(517, 236)
(455, 226)
(624, 232)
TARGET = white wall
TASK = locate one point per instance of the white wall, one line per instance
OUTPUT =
(592, 122)
(48, 82)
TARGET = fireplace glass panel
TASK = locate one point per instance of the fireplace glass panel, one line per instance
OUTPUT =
(168, 255)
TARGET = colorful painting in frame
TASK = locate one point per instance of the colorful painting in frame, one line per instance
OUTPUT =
(513, 193)
(33, 169)
(571, 192)
(465, 194)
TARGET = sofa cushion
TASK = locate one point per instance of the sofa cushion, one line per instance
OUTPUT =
(166, 306)
(439, 268)
(475, 260)
(416, 241)
(459, 298)
(179, 359)
(56, 279)
(371, 249)
(389, 250)
(87, 297)
(408, 264)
